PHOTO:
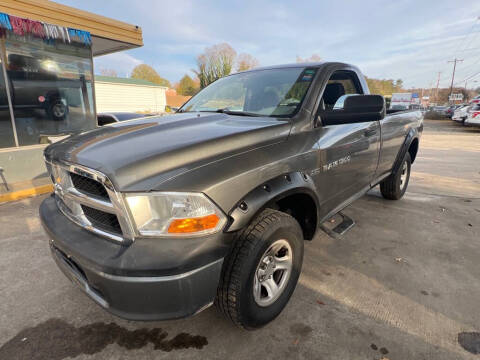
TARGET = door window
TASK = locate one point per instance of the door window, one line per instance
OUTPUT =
(341, 85)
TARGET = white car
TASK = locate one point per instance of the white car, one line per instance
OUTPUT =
(461, 113)
(473, 118)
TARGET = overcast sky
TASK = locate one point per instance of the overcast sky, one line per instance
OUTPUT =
(411, 40)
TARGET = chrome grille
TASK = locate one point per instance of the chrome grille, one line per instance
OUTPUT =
(88, 186)
(87, 197)
(102, 219)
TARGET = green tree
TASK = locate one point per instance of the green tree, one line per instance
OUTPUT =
(384, 86)
(187, 86)
(215, 62)
(146, 72)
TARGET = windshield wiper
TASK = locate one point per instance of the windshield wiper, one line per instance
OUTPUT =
(236, 112)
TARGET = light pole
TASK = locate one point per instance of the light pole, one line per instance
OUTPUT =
(466, 91)
(466, 81)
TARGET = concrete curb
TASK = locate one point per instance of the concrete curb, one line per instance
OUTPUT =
(26, 193)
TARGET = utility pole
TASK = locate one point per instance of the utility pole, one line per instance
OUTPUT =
(436, 90)
(454, 61)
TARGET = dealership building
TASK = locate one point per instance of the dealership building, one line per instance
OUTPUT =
(46, 79)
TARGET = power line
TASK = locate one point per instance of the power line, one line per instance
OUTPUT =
(438, 81)
(463, 44)
(468, 77)
(460, 43)
(475, 35)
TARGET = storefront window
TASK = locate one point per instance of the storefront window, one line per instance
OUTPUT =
(6, 129)
(51, 88)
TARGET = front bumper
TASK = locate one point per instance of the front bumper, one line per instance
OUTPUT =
(122, 279)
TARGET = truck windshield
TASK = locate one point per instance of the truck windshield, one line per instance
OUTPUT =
(273, 92)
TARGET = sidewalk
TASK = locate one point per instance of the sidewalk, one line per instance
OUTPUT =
(24, 189)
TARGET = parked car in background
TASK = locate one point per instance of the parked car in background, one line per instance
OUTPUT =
(399, 107)
(450, 110)
(48, 89)
(475, 100)
(473, 117)
(440, 110)
(461, 113)
(110, 118)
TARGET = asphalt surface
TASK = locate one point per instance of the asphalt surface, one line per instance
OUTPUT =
(404, 283)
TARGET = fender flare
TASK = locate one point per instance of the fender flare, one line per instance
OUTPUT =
(272, 190)
(411, 135)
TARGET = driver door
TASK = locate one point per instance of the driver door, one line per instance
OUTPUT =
(347, 153)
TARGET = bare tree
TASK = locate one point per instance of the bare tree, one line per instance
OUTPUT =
(216, 61)
(246, 62)
(313, 58)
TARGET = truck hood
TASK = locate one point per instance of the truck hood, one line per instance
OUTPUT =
(139, 155)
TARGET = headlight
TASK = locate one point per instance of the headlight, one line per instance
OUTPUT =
(174, 214)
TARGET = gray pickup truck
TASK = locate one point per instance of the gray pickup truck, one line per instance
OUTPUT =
(159, 218)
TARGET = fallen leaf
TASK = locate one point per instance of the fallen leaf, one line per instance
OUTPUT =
(320, 302)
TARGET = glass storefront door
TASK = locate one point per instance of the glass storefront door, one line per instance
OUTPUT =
(6, 130)
(50, 85)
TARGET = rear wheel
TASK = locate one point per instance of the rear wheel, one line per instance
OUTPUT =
(261, 271)
(394, 186)
(57, 110)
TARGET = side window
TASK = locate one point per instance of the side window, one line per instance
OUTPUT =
(104, 120)
(342, 84)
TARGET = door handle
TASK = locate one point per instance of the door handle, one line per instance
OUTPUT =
(370, 132)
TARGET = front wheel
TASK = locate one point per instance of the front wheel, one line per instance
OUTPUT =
(394, 186)
(261, 271)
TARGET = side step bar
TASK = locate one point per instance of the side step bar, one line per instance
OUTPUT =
(341, 229)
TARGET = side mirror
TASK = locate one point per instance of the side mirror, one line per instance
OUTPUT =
(356, 109)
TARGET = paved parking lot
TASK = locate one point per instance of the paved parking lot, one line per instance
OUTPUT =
(404, 283)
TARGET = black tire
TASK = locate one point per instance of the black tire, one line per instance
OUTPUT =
(235, 295)
(57, 110)
(394, 187)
